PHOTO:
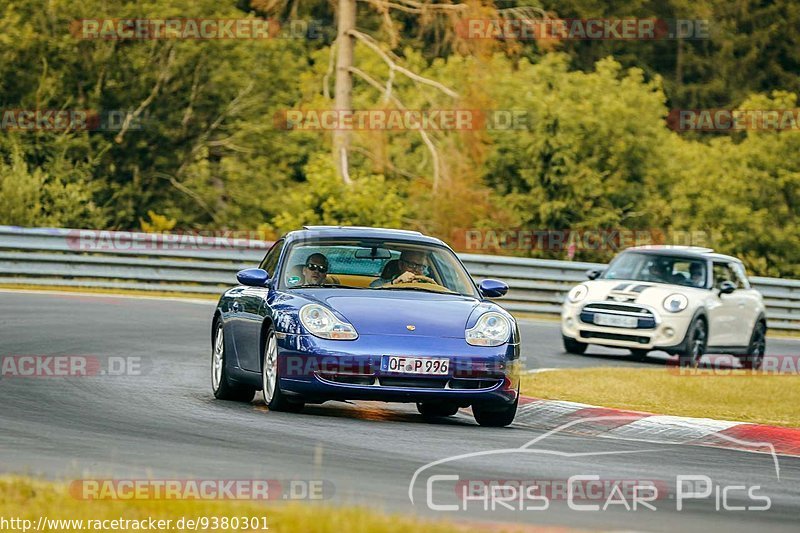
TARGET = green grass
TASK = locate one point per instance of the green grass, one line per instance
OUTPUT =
(772, 400)
(26, 498)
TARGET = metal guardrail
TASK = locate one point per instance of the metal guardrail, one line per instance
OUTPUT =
(206, 265)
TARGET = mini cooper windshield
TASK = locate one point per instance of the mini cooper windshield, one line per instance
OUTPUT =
(655, 268)
(375, 264)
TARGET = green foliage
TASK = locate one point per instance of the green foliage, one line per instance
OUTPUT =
(595, 153)
(326, 200)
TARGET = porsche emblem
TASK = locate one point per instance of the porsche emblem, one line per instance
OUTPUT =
(411, 327)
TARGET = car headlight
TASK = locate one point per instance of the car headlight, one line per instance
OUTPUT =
(675, 303)
(320, 322)
(492, 329)
(577, 293)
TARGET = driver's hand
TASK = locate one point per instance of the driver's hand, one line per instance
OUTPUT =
(405, 277)
(423, 279)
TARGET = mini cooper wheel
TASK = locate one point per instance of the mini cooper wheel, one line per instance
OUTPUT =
(757, 348)
(221, 384)
(433, 410)
(495, 416)
(696, 342)
(274, 397)
(573, 346)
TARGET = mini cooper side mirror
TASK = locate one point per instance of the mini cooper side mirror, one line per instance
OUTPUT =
(492, 288)
(253, 277)
(726, 287)
(594, 273)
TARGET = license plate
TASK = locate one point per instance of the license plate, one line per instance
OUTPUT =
(616, 321)
(432, 366)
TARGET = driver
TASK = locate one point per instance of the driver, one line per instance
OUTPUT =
(412, 267)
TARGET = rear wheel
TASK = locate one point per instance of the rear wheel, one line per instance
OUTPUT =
(696, 341)
(221, 384)
(433, 410)
(573, 346)
(757, 349)
(495, 416)
(274, 397)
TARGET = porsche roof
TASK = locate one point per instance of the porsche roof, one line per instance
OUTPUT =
(361, 232)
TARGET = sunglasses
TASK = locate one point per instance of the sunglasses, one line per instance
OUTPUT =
(316, 268)
(413, 265)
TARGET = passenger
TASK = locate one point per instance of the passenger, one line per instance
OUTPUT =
(698, 275)
(315, 271)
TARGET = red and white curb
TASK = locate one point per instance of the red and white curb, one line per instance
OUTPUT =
(590, 420)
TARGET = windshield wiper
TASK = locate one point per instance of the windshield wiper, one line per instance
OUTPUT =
(416, 288)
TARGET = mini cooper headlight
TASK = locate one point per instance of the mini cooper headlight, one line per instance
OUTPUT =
(492, 329)
(320, 322)
(578, 293)
(675, 303)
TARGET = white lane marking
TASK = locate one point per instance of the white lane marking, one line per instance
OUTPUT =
(670, 429)
(107, 295)
(537, 370)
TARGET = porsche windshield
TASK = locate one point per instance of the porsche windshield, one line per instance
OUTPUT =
(373, 264)
(658, 269)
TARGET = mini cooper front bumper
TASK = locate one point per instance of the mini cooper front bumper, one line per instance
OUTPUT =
(623, 325)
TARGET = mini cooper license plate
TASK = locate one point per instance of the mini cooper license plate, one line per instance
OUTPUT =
(616, 321)
(432, 366)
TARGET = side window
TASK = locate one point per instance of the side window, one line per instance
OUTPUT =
(270, 261)
(741, 277)
(724, 272)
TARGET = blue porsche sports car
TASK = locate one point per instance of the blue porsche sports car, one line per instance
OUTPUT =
(349, 313)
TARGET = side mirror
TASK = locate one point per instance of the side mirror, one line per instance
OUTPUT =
(726, 287)
(253, 277)
(594, 273)
(492, 288)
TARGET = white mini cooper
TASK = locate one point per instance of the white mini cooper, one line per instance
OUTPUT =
(685, 301)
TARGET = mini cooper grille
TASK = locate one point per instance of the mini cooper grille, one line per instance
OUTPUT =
(645, 319)
(617, 307)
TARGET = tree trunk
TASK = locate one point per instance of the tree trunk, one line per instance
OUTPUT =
(343, 99)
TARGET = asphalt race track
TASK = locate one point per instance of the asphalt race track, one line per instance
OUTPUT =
(164, 423)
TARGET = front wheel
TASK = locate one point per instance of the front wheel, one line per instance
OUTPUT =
(274, 397)
(222, 386)
(493, 416)
(573, 346)
(696, 341)
(757, 348)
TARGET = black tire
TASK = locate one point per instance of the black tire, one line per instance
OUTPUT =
(495, 416)
(435, 410)
(573, 346)
(274, 397)
(639, 355)
(221, 384)
(696, 343)
(757, 348)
